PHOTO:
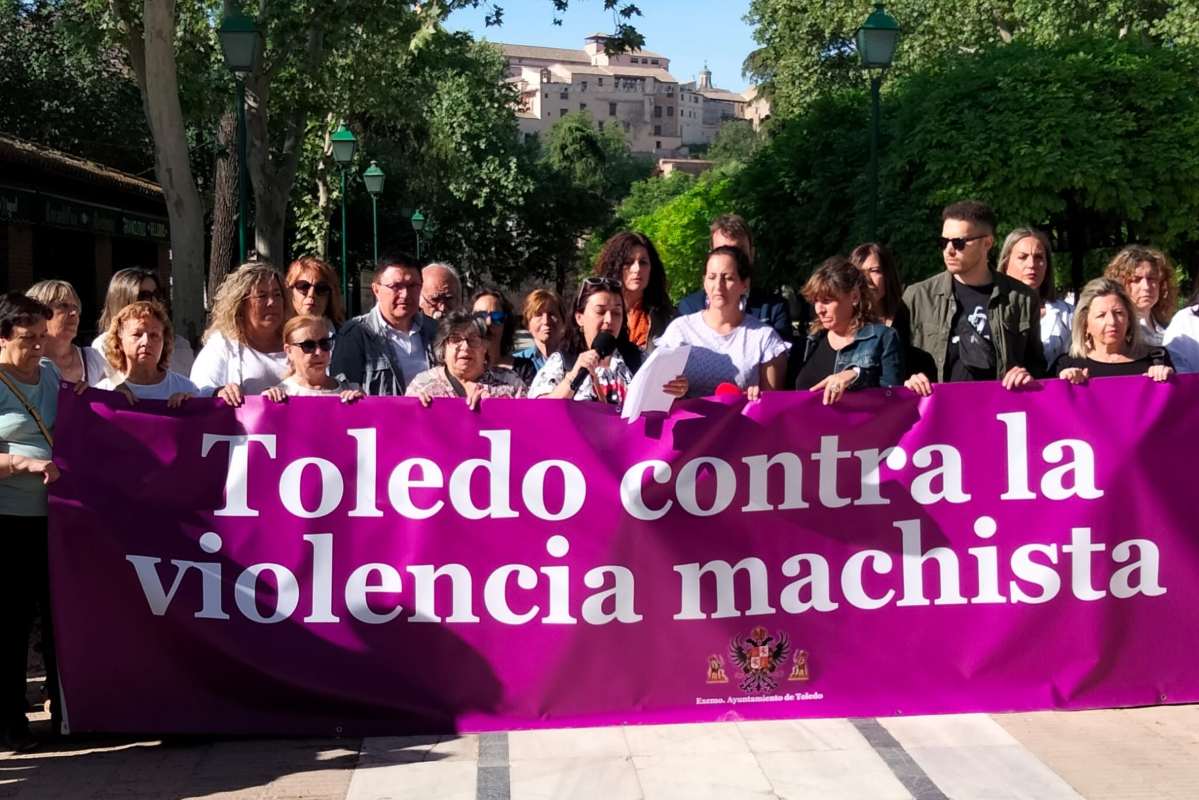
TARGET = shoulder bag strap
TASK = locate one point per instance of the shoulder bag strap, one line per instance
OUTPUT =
(37, 418)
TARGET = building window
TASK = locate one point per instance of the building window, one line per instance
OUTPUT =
(562, 112)
(670, 111)
(657, 111)
(582, 106)
(654, 61)
(611, 109)
(584, 86)
(601, 124)
(658, 131)
(564, 95)
(599, 81)
(658, 145)
(547, 95)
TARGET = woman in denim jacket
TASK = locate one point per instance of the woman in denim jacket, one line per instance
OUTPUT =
(847, 348)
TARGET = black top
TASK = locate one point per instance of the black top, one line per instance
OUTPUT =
(819, 365)
(1102, 369)
(971, 355)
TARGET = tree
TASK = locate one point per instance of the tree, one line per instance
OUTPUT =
(735, 141)
(808, 45)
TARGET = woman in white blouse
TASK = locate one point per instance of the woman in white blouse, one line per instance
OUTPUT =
(728, 345)
(1026, 256)
(74, 363)
(243, 346)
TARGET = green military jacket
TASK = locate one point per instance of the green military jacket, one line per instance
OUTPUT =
(1014, 313)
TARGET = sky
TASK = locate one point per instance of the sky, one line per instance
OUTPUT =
(688, 32)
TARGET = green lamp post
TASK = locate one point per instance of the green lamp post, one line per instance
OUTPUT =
(418, 225)
(876, 39)
(373, 178)
(241, 46)
(344, 145)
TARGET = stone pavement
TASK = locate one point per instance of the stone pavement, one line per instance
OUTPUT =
(1097, 755)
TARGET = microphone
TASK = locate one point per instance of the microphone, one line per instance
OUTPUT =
(604, 344)
(727, 389)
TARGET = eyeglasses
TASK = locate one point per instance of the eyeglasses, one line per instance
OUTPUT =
(396, 288)
(66, 309)
(597, 282)
(455, 339)
(491, 317)
(959, 242)
(304, 287)
(309, 346)
(148, 294)
(439, 299)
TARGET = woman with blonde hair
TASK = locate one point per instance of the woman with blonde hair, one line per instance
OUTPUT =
(1025, 256)
(1147, 277)
(129, 286)
(313, 290)
(243, 346)
(74, 363)
(308, 343)
(1106, 341)
(138, 350)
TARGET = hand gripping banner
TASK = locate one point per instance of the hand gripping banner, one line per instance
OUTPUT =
(314, 567)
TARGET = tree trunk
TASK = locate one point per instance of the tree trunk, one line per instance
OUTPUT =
(224, 204)
(150, 43)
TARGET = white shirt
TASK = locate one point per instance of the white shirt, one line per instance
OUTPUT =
(182, 357)
(1151, 332)
(407, 347)
(222, 361)
(1056, 325)
(1182, 340)
(171, 383)
(292, 388)
(734, 357)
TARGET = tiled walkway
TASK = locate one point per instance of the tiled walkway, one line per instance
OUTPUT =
(1098, 755)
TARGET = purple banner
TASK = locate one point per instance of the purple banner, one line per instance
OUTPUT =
(315, 567)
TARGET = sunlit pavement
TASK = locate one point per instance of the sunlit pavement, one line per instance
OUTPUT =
(1129, 754)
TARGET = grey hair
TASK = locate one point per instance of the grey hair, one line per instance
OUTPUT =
(448, 268)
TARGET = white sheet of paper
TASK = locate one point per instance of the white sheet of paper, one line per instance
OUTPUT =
(645, 392)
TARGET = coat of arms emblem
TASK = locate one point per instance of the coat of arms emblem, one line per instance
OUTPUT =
(759, 655)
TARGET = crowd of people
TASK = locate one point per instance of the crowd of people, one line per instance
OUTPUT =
(286, 334)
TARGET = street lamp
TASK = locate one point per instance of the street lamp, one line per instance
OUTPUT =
(418, 225)
(241, 45)
(344, 145)
(876, 39)
(373, 178)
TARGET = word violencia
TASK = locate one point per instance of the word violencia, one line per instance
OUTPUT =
(518, 594)
(418, 488)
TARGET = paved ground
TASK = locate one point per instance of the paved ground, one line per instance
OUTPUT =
(1097, 755)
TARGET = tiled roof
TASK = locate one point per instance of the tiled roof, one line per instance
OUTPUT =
(19, 151)
(548, 53)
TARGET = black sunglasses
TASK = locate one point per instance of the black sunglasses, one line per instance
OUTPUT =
(309, 345)
(959, 242)
(303, 287)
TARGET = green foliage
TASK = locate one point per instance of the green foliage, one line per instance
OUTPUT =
(735, 141)
(646, 195)
(81, 100)
(679, 229)
(808, 50)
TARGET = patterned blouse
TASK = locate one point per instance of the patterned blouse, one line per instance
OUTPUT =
(614, 380)
(436, 382)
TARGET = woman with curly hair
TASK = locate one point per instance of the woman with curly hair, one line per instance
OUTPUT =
(128, 286)
(138, 350)
(313, 290)
(243, 346)
(1147, 276)
(632, 260)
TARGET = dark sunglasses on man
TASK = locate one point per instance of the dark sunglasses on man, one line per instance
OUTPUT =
(304, 287)
(309, 346)
(959, 242)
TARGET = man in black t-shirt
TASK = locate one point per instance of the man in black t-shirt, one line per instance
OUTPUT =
(971, 323)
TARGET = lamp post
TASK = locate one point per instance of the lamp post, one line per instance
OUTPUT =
(373, 178)
(344, 145)
(241, 46)
(877, 39)
(418, 225)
